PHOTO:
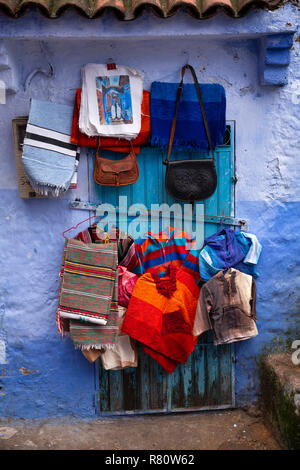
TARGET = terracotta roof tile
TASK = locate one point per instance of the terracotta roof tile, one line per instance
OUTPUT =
(130, 9)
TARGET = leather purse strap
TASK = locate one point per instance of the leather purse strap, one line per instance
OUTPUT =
(178, 97)
(99, 142)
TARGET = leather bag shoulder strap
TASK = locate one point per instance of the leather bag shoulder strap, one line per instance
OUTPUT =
(178, 97)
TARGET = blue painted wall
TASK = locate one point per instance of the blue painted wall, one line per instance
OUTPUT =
(42, 375)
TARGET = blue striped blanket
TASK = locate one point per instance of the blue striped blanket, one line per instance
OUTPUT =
(50, 160)
(190, 131)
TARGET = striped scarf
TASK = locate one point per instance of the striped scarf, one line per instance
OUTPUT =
(88, 300)
(50, 159)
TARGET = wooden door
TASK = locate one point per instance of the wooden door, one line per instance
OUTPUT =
(206, 381)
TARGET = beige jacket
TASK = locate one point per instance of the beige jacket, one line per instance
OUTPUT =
(227, 305)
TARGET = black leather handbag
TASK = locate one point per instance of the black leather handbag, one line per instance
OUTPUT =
(190, 180)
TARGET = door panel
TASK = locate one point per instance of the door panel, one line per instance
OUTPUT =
(207, 379)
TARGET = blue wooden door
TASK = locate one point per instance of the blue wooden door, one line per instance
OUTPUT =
(206, 381)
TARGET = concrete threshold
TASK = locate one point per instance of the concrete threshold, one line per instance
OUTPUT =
(214, 430)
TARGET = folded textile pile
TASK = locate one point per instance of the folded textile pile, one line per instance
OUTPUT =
(88, 300)
(86, 336)
(110, 143)
(50, 159)
(111, 101)
(123, 355)
(90, 296)
(161, 316)
(227, 305)
(190, 132)
(89, 289)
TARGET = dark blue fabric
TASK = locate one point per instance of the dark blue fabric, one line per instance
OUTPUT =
(190, 131)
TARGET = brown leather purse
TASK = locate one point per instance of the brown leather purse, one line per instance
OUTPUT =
(116, 172)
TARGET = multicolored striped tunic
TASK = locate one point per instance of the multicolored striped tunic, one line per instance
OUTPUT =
(155, 252)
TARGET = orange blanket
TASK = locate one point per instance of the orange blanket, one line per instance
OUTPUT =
(109, 143)
(161, 315)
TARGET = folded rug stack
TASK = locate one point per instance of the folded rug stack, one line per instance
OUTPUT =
(112, 143)
(111, 101)
(88, 301)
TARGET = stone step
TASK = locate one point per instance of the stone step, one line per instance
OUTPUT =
(280, 397)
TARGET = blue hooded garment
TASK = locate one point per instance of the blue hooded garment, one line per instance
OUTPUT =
(228, 249)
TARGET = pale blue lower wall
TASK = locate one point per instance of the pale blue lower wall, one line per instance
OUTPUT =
(42, 375)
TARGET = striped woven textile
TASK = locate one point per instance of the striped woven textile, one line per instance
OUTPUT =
(126, 251)
(50, 159)
(155, 252)
(88, 282)
(161, 315)
(90, 336)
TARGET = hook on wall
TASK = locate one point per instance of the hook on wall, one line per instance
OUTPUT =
(48, 73)
(187, 55)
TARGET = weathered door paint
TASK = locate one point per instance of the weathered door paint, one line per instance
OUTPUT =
(206, 381)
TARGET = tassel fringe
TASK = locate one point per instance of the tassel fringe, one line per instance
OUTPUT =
(59, 323)
(179, 144)
(87, 347)
(46, 189)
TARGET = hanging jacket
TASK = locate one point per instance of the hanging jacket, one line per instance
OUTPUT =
(229, 249)
(227, 305)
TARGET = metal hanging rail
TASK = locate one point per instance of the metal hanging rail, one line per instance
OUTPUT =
(214, 219)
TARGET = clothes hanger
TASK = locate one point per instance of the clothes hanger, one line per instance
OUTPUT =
(79, 223)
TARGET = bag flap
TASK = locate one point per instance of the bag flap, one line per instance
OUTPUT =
(116, 166)
(204, 162)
